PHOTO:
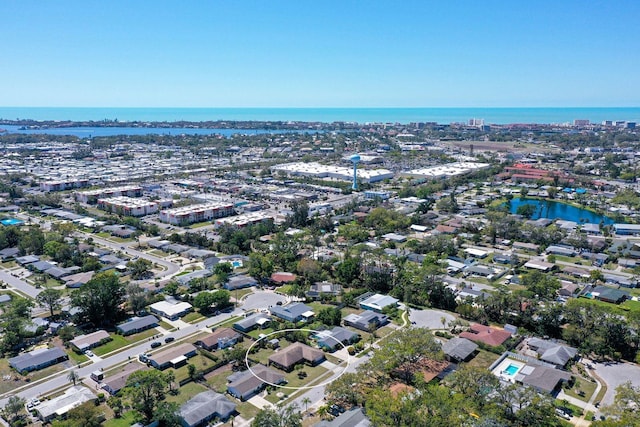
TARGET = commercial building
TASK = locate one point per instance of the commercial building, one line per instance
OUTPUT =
(196, 213)
(447, 170)
(244, 220)
(320, 171)
(49, 186)
(92, 196)
(124, 205)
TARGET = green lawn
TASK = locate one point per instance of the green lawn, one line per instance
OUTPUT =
(118, 342)
(483, 359)
(200, 362)
(77, 358)
(164, 325)
(200, 224)
(257, 332)
(126, 420)
(586, 386)
(219, 381)
(159, 253)
(631, 305)
(193, 317)
(186, 392)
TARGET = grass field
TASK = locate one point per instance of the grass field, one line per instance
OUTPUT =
(186, 392)
(586, 386)
(483, 359)
(193, 317)
(118, 341)
(126, 420)
(164, 325)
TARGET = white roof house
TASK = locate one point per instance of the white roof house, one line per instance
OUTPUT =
(169, 310)
(58, 406)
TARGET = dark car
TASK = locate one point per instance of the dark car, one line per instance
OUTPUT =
(169, 339)
(156, 344)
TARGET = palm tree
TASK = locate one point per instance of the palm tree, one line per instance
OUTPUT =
(73, 377)
(305, 402)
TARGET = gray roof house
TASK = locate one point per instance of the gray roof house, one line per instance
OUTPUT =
(366, 320)
(239, 282)
(204, 407)
(246, 384)
(552, 352)
(335, 338)
(137, 324)
(254, 321)
(292, 312)
(37, 359)
(354, 417)
(459, 349)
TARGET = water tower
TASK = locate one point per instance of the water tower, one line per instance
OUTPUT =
(355, 159)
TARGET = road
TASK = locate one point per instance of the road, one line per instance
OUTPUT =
(170, 268)
(260, 299)
(18, 284)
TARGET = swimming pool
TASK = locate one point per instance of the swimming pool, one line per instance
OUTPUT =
(511, 370)
(236, 263)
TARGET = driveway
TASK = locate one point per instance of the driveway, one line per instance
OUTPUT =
(615, 374)
(430, 319)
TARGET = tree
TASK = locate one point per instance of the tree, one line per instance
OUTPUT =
(167, 414)
(73, 377)
(527, 210)
(100, 299)
(346, 390)
(203, 301)
(624, 409)
(50, 299)
(305, 402)
(115, 403)
(260, 266)
(85, 415)
(140, 268)
(136, 297)
(146, 389)
(13, 408)
(330, 316)
(401, 352)
(282, 416)
(348, 271)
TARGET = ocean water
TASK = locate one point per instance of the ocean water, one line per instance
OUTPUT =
(327, 115)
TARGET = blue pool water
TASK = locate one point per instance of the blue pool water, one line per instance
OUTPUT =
(236, 264)
(512, 369)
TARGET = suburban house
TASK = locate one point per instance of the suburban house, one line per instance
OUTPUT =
(366, 321)
(552, 352)
(204, 407)
(607, 294)
(88, 341)
(60, 405)
(37, 359)
(173, 357)
(78, 279)
(137, 324)
(336, 338)
(295, 312)
(287, 358)
(116, 382)
(257, 320)
(354, 417)
(486, 335)
(219, 339)
(378, 302)
(246, 384)
(172, 310)
(459, 349)
(239, 282)
(282, 277)
(318, 289)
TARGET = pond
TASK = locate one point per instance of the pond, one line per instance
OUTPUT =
(556, 210)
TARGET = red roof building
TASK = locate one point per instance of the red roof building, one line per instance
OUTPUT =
(486, 334)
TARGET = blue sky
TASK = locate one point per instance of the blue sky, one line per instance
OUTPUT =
(299, 53)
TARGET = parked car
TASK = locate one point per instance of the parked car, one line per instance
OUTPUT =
(89, 353)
